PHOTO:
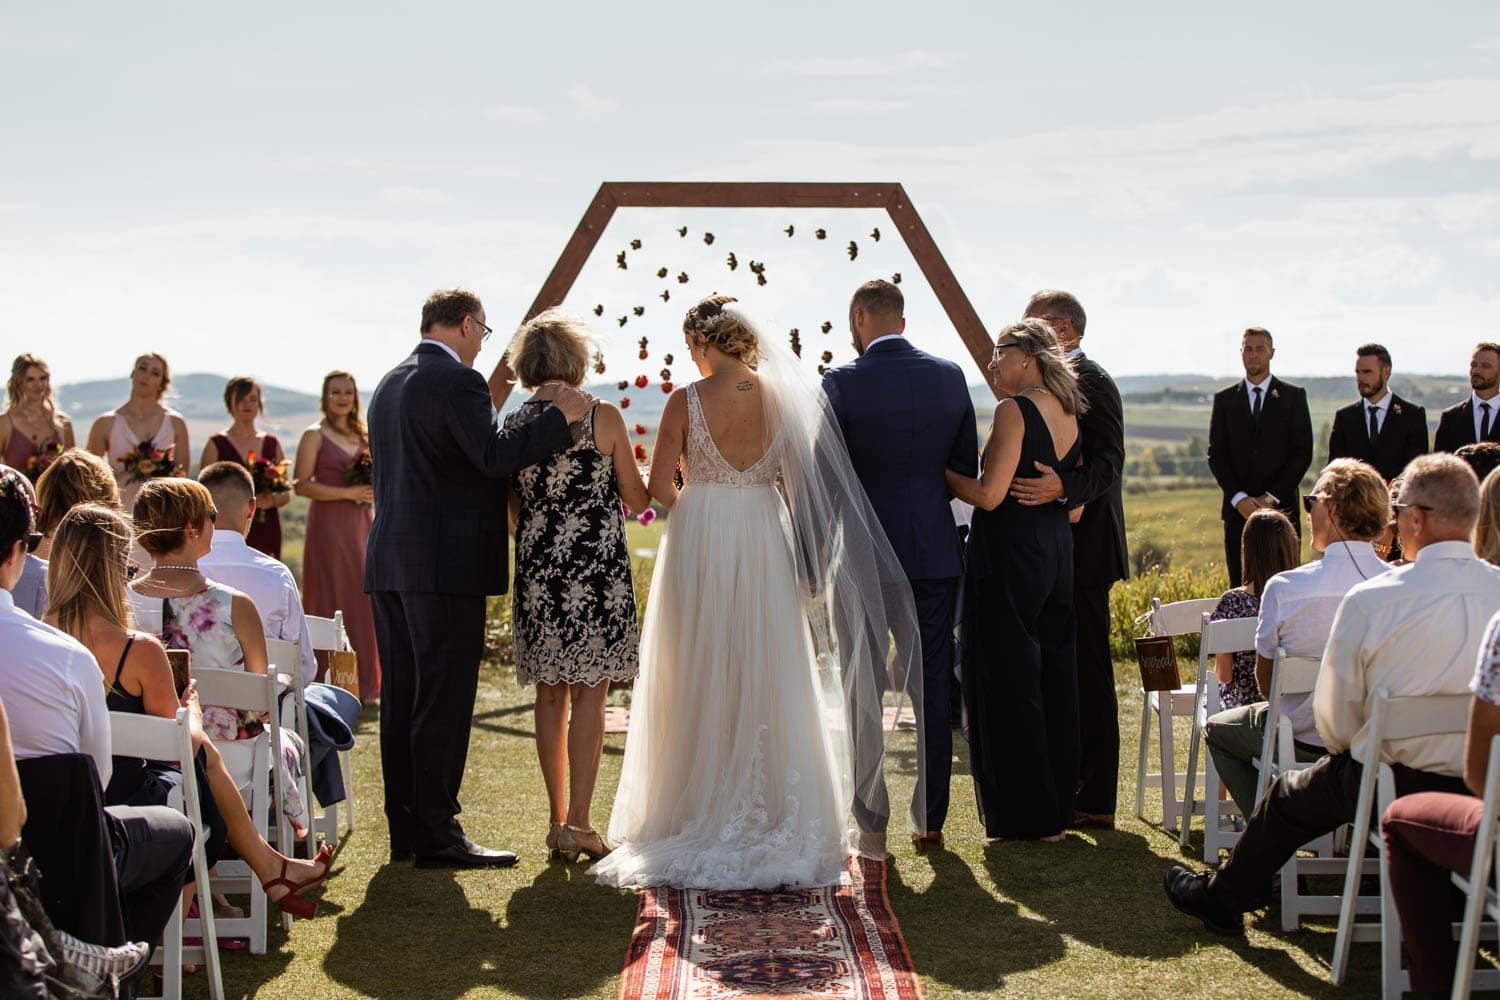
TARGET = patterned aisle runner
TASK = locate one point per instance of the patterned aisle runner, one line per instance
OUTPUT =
(834, 941)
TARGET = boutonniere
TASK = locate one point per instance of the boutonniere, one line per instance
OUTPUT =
(1275, 393)
(1395, 407)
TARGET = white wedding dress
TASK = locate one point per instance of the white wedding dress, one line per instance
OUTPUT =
(733, 777)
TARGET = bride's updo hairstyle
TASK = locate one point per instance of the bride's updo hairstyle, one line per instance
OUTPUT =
(1037, 340)
(709, 323)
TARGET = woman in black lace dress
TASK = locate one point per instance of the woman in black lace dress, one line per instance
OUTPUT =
(573, 614)
(1020, 678)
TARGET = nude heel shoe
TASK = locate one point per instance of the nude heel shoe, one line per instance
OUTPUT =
(552, 834)
(576, 840)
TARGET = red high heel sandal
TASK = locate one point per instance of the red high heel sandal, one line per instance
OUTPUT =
(293, 903)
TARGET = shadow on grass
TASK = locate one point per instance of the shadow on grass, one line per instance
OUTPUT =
(489, 722)
(552, 943)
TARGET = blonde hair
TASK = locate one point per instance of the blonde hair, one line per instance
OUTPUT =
(551, 346)
(712, 325)
(86, 572)
(356, 424)
(18, 375)
(1363, 499)
(166, 371)
(1487, 528)
(165, 509)
(76, 477)
(1035, 338)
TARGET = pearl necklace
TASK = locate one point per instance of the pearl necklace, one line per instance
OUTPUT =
(185, 569)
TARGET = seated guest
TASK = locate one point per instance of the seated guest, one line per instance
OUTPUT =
(1387, 546)
(1415, 631)
(221, 627)
(1483, 457)
(234, 563)
(1487, 529)
(1346, 509)
(91, 602)
(51, 683)
(1268, 546)
(76, 477)
(31, 593)
(1431, 834)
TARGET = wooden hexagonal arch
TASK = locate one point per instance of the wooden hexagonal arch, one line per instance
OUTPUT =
(737, 194)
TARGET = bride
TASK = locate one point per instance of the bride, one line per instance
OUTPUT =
(765, 642)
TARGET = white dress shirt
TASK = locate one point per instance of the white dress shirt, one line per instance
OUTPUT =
(1297, 611)
(1415, 630)
(1265, 393)
(451, 352)
(1381, 409)
(52, 690)
(268, 584)
(30, 594)
(877, 340)
(1494, 404)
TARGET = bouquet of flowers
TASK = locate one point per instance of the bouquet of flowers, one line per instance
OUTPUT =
(361, 471)
(41, 459)
(269, 477)
(147, 462)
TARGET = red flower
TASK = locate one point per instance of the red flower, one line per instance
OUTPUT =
(640, 429)
(643, 355)
(625, 402)
(666, 387)
(646, 516)
(641, 381)
(640, 453)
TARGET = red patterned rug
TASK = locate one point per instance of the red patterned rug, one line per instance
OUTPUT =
(835, 941)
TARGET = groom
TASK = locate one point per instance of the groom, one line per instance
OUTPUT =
(436, 550)
(906, 416)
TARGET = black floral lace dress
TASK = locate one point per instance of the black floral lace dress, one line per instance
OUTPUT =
(573, 614)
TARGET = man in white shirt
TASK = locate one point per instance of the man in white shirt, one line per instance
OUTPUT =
(1478, 417)
(1347, 509)
(54, 694)
(30, 594)
(269, 584)
(1414, 630)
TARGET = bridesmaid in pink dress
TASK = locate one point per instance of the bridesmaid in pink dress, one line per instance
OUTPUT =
(338, 524)
(242, 398)
(32, 432)
(141, 418)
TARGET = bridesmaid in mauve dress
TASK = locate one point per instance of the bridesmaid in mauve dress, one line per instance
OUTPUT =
(242, 398)
(32, 432)
(338, 524)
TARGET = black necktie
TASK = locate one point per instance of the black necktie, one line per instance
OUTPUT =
(1374, 422)
(1255, 404)
(1484, 422)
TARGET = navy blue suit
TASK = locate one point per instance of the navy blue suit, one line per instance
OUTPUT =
(906, 417)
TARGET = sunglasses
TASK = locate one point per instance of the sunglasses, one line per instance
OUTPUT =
(1399, 507)
(1308, 499)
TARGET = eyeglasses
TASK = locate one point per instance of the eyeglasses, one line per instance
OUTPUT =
(995, 354)
(1399, 507)
(485, 327)
(1308, 499)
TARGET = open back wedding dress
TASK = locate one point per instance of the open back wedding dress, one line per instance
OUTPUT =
(739, 764)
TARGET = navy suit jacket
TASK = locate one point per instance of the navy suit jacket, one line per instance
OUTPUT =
(440, 465)
(906, 416)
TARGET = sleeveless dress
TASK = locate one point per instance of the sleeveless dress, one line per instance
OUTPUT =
(20, 450)
(1019, 666)
(573, 613)
(333, 565)
(730, 778)
(122, 441)
(265, 528)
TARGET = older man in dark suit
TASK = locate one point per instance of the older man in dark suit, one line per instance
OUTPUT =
(1382, 430)
(906, 416)
(1259, 444)
(1099, 553)
(1478, 417)
(437, 548)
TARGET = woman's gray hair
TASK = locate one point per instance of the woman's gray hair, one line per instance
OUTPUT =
(1036, 339)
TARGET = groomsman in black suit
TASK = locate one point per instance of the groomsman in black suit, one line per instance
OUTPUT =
(1478, 417)
(1259, 444)
(1382, 429)
(436, 550)
(1099, 553)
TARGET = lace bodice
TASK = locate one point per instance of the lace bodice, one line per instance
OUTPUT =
(704, 463)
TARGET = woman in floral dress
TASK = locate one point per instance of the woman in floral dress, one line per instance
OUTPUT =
(573, 615)
(1268, 546)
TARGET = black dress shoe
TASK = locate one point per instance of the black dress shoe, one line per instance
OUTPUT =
(1189, 893)
(465, 854)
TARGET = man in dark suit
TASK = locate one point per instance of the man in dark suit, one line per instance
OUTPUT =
(436, 550)
(1478, 417)
(1099, 553)
(906, 416)
(1259, 444)
(1382, 429)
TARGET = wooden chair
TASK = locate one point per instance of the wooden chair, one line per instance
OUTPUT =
(171, 741)
(1234, 635)
(328, 634)
(1175, 619)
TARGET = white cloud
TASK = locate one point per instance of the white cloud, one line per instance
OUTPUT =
(514, 114)
(590, 106)
(372, 167)
(857, 106)
(916, 59)
(407, 195)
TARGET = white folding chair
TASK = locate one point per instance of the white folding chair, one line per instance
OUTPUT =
(1483, 903)
(171, 741)
(328, 634)
(1391, 719)
(1234, 635)
(1175, 619)
(257, 769)
(285, 657)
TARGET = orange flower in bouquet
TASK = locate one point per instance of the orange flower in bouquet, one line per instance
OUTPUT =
(40, 459)
(269, 477)
(147, 462)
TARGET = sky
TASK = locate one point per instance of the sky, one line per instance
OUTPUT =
(274, 190)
